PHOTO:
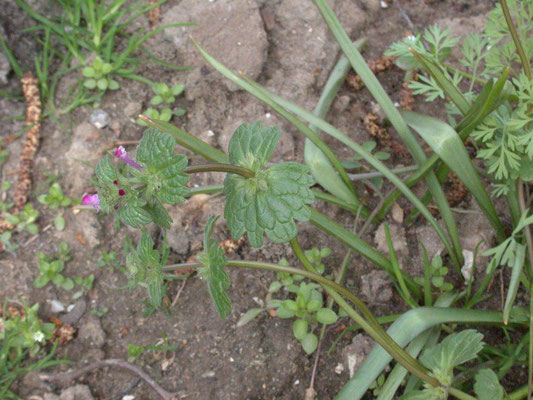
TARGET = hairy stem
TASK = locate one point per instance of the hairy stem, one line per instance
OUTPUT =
(220, 167)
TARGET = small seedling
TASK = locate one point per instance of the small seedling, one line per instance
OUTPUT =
(55, 197)
(25, 220)
(164, 94)
(97, 76)
(357, 164)
(100, 312)
(50, 269)
(135, 352)
(309, 311)
(437, 272)
(164, 115)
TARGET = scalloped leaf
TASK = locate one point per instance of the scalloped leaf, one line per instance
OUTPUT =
(145, 269)
(268, 203)
(214, 261)
(487, 386)
(252, 146)
(163, 171)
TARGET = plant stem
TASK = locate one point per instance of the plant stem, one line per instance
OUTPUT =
(460, 395)
(219, 167)
(378, 174)
(516, 39)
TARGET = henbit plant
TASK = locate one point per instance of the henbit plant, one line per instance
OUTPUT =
(269, 199)
(166, 95)
(22, 340)
(25, 220)
(87, 33)
(54, 200)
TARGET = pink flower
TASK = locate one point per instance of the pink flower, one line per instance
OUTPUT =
(122, 154)
(93, 200)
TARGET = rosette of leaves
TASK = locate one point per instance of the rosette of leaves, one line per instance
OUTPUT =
(212, 270)
(97, 76)
(454, 350)
(137, 196)
(274, 197)
(164, 94)
(308, 310)
(144, 268)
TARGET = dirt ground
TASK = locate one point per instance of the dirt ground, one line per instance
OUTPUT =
(284, 45)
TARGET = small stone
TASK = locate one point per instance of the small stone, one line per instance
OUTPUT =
(99, 118)
(376, 287)
(91, 332)
(397, 213)
(357, 352)
(383, 4)
(466, 270)
(208, 374)
(56, 306)
(339, 368)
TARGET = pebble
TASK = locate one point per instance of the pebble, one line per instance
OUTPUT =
(56, 306)
(99, 118)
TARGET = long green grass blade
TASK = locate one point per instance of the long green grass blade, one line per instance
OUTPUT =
(449, 147)
(518, 264)
(381, 97)
(402, 331)
(321, 168)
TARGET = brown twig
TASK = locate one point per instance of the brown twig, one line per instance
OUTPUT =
(63, 379)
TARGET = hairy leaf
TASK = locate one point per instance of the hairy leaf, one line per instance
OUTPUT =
(271, 200)
(163, 171)
(454, 350)
(214, 261)
(487, 386)
(145, 269)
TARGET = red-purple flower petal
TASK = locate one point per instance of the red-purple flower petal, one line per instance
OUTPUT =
(122, 154)
(93, 200)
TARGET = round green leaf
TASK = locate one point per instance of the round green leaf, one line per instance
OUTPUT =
(326, 316)
(290, 305)
(113, 85)
(309, 343)
(274, 287)
(68, 284)
(90, 83)
(41, 281)
(32, 229)
(58, 280)
(437, 281)
(59, 222)
(102, 84)
(165, 115)
(314, 305)
(156, 100)
(299, 328)
(284, 312)
(88, 72)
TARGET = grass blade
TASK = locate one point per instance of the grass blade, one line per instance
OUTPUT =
(515, 280)
(449, 147)
(321, 168)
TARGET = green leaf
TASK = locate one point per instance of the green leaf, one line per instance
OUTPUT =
(518, 264)
(132, 212)
(271, 200)
(59, 222)
(326, 316)
(487, 386)
(158, 214)
(249, 316)
(165, 114)
(309, 343)
(446, 143)
(32, 229)
(67, 284)
(212, 271)
(41, 281)
(105, 172)
(88, 72)
(252, 146)
(163, 171)
(454, 350)
(299, 328)
(113, 85)
(156, 100)
(284, 312)
(90, 83)
(102, 83)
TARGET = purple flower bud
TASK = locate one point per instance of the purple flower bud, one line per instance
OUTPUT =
(122, 154)
(93, 200)
(121, 192)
